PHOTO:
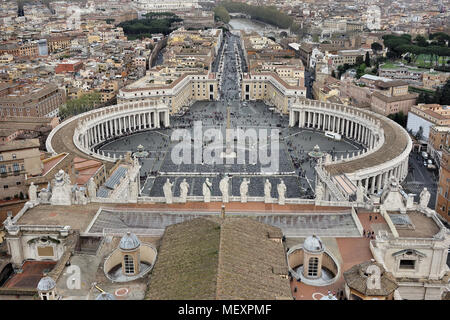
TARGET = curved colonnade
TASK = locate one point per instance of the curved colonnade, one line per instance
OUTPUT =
(387, 144)
(100, 125)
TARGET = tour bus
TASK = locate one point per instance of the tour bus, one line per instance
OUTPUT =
(333, 135)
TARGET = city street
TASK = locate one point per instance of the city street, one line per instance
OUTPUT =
(419, 177)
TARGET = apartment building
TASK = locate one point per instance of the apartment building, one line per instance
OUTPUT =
(438, 140)
(443, 190)
(176, 89)
(20, 50)
(326, 90)
(30, 100)
(69, 66)
(18, 160)
(272, 89)
(410, 75)
(346, 57)
(434, 79)
(392, 97)
(427, 115)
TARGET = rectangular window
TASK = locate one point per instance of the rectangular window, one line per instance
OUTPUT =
(407, 264)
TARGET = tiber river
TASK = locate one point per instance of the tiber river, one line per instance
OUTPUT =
(252, 25)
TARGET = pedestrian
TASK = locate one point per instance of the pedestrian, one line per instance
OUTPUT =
(364, 232)
(376, 217)
(370, 217)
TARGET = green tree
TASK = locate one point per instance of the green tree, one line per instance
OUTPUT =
(220, 13)
(367, 60)
(359, 60)
(400, 118)
(76, 106)
(361, 70)
(376, 47)
(267, 14)
(444, 94)
(420, 41)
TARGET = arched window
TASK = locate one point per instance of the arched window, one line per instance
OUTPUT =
(312, 267)
(129, 264)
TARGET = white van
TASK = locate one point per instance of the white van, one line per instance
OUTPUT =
(333, 135)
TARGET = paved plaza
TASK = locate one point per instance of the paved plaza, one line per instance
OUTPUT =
(295, 166)
(287, 148)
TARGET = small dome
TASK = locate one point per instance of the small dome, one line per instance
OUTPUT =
(129, 242)
(105, 296)
(313, 244)
(46, 284)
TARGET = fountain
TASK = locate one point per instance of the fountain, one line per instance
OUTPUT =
(316, 153)
(140, 153)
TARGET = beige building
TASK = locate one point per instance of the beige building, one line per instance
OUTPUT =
(433, 79)
(19, 159)
(346, 57)
(443, 192)
(392, 97)
(438, 140)
(174, 88)
(272, 89)
(30, 100)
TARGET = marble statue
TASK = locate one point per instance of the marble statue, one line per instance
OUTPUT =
(424, 198)
(319, 191)
(32, 192)
(45, 194)
(224, 188)
(79, 196)
(92, 189)
(360, 193)
(167, 188)
(184, 188)
(281, 192)
(267, 190)
(61, 189)
(207, 188)
(244, 190)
